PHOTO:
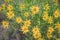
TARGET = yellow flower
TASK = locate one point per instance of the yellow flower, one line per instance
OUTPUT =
(5, 24)
(40, 38)
(59, 30)
(55, 2)
(10, 14)
(58, 39)
(18, 19)
(57, 25)
(49, 35)
(2, 7)
(26, 14)
(10, 7)
(56, 14)
(50, 30)
(46, 7)
(45, 16)
(36, 35)
(27, 23)
(35, 30)
(50, 19)
(7, 0)
(22, 6)
(24, 29)
(34, 9)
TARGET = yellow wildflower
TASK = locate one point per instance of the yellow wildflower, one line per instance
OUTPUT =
(35, 30)
(10, 14)
(27, 23)
(58, 39)
(55, 2)
(35, 10)
(57, 25)
(2, 7)
(40, 38)
(10, 7)
(49, 35)
(7, 0)
(45, 16)
(5, 24)
(59, 30)
(50, 30)
(26, 14)
(46, 7)
(50, 19)
(36, 35)
(56, 14)
(22, 6)
(24, 29)
(18, 19)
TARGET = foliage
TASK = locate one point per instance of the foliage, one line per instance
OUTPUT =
(37, 19)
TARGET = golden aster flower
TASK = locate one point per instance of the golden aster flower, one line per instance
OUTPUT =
(24, 29)
(10, 14)
(57, 26)
(26, 14)
(56, 14)
(22, 6)
(2, 7)
(36, 35)
(49, 35)
(5, 24)
(41, 39)
(45, 16)
(18, 19)
(50, 30)
(46, 7)
(55, 2)
(57, 38)
(7, 0)
(34, 9)
(10, 7)
(35, 29)
(50, 19)
(59, 30)
(27, 23)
